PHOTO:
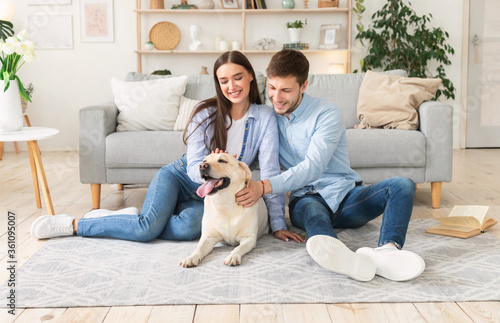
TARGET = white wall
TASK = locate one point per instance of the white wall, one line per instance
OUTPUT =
(67, 80)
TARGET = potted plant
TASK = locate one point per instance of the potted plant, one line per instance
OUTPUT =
(294, 28)
(29, 91)
(15, 51)
(400, 39)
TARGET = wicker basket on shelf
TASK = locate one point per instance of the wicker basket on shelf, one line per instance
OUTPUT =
(328, 3)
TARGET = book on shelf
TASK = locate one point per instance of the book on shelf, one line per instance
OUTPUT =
(260, 4)
(464, 221)
(250, 4)
(296, 46)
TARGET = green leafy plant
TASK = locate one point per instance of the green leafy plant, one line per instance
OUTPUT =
(29, 90)
(296, 24)
(6, 29)
(358, 10)
(400, 39)
(162, 72)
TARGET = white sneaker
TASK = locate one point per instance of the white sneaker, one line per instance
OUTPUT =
(395, 264)
(103, 212)
(51, 226)
(332, 254)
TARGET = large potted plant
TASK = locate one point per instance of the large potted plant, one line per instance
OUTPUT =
(400, 39)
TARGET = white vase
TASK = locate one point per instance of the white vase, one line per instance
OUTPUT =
(206, 4)
(11, 111)
(294, 34)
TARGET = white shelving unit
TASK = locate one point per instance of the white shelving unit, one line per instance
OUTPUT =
(243, 13)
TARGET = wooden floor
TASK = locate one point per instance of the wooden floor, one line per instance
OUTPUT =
(475, 181)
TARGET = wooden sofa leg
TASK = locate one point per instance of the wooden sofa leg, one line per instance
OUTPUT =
(120, 187)
(96, 195)
(436, 194)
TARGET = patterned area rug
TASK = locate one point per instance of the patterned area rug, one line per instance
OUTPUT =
(75, 271)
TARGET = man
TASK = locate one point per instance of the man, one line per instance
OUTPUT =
(325, 192)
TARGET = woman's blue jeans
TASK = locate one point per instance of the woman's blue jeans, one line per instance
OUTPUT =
(171, 211)
(392, 197)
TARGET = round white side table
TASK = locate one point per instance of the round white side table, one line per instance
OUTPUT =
(31, 135)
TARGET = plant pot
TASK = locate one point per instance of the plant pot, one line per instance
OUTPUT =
(24, 105)
(11, 112)
(294, 34)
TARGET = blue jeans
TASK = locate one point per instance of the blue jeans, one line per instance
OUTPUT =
(393, 197)
(171, 211)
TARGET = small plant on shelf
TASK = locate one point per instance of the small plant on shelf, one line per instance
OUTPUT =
(162, 72)
(296, 24)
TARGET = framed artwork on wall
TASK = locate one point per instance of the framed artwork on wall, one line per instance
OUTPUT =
(47, 2)
(51, 31)
(96, 21)
(329, 36)
(229, 4)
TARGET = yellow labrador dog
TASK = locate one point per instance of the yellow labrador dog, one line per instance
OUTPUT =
(223, 219)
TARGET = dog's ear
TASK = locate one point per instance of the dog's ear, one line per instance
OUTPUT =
(246, 171)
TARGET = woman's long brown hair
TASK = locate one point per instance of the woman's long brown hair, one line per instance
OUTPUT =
(221, 103)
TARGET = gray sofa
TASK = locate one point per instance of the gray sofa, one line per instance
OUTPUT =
(134, 157)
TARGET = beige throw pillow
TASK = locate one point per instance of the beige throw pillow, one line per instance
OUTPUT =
(391, 101)
(148, 105)
(186, 107)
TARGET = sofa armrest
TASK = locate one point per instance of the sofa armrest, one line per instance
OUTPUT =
(96, 123)
(436, 123)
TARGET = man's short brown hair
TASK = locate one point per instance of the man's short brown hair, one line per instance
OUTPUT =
(289, 62)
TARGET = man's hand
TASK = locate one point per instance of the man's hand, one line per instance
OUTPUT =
(250, 195)
(285, 235)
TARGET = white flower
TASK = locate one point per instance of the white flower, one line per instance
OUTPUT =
(8, 48)
(21, 49)
(22, 35)
(12, 41)
(31, 45)
(29, 57)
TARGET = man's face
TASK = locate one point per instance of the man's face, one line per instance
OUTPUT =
(285, 93)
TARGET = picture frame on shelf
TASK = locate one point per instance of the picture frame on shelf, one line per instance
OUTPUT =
(96, 19)
(229, 4)
(51, 31)
(329, 37)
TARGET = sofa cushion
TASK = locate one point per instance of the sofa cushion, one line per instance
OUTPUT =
(392, 101)
(371, 148)
(148, 105)
(143, 149)
(186, 107)
(339, 89)
(198, 87)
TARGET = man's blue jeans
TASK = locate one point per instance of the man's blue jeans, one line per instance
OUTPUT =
(171, 211)
(393, 197)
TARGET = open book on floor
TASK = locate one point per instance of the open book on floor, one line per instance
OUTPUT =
(464, 221)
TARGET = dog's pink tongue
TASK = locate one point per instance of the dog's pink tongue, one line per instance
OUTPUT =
(206, 187)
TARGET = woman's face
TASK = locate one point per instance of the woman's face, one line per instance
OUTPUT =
(234, 81)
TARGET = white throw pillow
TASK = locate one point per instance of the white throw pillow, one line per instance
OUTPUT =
(186, 107)
(148, 105)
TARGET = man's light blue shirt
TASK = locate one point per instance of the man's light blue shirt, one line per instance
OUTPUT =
(313, 150)
(260, 142)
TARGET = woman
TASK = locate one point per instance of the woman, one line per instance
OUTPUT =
(234, 121)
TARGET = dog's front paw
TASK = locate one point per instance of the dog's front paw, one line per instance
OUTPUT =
(233, 260)
(190, 261)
